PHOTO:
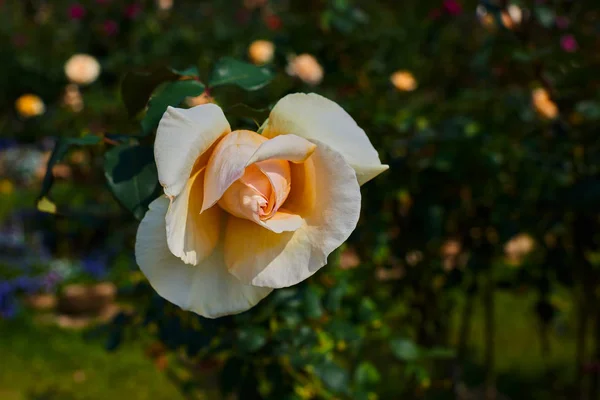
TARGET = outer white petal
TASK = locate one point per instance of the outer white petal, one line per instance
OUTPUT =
(192, 235)
(316, 118)
(206, 289)
(182, 136)
(263, 258)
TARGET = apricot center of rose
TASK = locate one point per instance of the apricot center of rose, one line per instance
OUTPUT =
(260, 192)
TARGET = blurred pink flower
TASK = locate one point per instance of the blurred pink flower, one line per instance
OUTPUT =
(76, 11)
(133, 10)
(568, 43)
(562, 22)
(452, 7)
(110, 27)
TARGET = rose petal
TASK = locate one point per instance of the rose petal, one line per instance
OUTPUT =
(286, 147)
(245, 196)
(182, 136)
(206, 289)
(263, 258)
(283, 221)
(316, 118)
(279, 176)
(192, 235)
(227, 163)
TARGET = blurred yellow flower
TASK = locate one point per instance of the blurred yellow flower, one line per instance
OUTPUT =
(6, 186)
(543, 104)
(30, 105)
(307, 68)
(82, 69)
(404, 81)
(261, 51)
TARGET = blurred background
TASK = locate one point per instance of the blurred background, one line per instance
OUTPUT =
(474, 272)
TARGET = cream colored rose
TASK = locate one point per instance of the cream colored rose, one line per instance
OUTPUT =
(30, 105)
(261, 52)
(244, 213)
(307, 68)
(82, 69)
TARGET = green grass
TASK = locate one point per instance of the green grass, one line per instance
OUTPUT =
(39, 361)
(42, 362)
(522, 371)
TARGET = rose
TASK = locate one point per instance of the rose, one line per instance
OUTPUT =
(404, 81)
(244, 213)
(261, 52)
(82, 69)
(306, 67)
(30, 105)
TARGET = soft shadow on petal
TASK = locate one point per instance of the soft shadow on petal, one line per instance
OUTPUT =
(263, 258)
(192, 235)
(283, 221)
(182, 136)
(286, 147)
(227, 163)
(316, 118)
(206, 289)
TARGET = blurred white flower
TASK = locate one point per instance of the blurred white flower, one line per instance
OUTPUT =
(307, 68)
(82, 69)
(515, 13)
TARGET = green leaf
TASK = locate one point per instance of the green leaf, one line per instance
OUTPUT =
(367, 310)
(229, 71)
(440, 353)
(132, 177)
(404, 349)
(62, 147)
(189, 71)
(312, 303)
(333, 376)
(251, 339)
(366, 375)
(242, 110)
(231, 374)
(171, 95)
(137, 87)
(545, 15)
(589, 109)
